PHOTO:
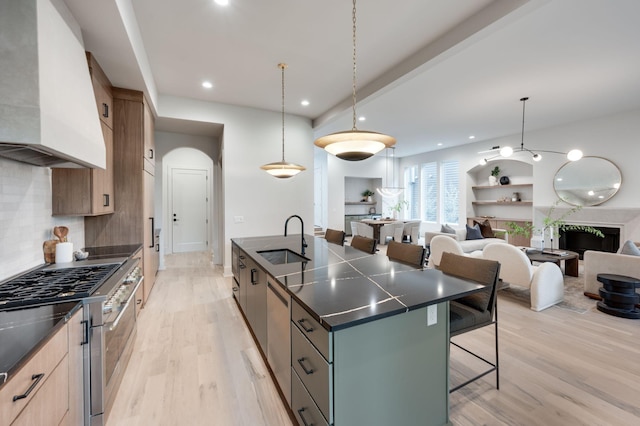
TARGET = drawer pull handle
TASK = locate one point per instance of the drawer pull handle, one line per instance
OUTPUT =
(309, 371)
(36, 379)
(300, 411)
(301, 322)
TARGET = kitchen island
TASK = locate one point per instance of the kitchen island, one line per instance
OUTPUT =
(368, 337)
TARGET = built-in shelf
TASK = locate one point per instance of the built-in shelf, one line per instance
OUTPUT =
(502, 203)
(515, 185)
(359, 203)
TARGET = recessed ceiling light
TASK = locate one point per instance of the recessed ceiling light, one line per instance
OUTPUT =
(472, 137)
(362, 118)
(222, 2)
(305, 102)
(439, 143)
(207, 84)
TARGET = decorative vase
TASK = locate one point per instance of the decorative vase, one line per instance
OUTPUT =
(493, 181)
(369, 199)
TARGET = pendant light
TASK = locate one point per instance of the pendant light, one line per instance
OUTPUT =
(282, 169)
(389, 191)
(354, 144)
(507, 151)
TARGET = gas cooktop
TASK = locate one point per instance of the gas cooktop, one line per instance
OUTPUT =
(54, 284)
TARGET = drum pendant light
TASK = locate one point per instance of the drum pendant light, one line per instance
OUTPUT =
(282, 169)
(354, 144)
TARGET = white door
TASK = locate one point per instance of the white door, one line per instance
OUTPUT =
(189, 209)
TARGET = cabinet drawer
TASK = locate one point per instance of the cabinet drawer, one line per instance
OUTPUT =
(302, 405)
(311, 328)
(314, 371)
(50, 403)
(43, 362)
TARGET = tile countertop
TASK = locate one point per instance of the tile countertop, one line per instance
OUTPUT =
(342, 286)
(24, 331)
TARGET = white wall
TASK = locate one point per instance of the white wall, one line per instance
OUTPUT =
(255, 203)
(25, 217)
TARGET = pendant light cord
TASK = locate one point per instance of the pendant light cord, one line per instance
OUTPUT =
(282, 67)
(524, 101)
(354, 64)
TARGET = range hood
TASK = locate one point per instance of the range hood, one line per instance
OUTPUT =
(48, 114)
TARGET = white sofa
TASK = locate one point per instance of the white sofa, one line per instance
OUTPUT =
(600, 262)
(468, 246)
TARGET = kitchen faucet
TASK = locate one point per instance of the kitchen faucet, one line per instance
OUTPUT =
(302, 241)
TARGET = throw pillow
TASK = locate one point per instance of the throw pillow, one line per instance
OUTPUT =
(473, 232)
(447, 229)
(485, 229)
(630, 248)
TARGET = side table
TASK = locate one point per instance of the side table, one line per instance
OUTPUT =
(619, 295)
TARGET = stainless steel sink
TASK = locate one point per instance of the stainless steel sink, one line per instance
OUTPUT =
(282, 256)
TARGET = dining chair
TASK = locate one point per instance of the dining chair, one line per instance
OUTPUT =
(391, 230)
(364, 230)
(407, 253)
(477, 310)
(368, 245)
(334, 236)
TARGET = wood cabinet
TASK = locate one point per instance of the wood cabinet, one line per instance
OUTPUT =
(88, 192)
(133, 221)
(42, 385)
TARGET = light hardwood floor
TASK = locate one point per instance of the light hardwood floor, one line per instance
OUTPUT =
(195, 363)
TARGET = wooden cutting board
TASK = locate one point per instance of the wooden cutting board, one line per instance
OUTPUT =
(49, 248)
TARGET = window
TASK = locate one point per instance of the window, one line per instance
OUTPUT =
(429, 176)
(432, 191)
(412, 192)
(450, 192)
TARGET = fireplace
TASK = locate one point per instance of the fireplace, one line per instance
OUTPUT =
(579, 241)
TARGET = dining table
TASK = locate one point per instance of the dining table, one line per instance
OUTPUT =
(376, 224)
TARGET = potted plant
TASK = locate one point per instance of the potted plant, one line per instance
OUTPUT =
(395, 209)
(552, 225)
(493, 179)
(367, 195)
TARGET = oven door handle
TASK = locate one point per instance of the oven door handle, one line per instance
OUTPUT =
(112, 325)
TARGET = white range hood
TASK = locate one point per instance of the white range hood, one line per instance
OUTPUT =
(48, 114)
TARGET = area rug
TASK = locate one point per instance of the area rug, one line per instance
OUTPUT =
(574, 300)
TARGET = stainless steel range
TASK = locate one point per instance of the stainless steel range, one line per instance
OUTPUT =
(107, 289)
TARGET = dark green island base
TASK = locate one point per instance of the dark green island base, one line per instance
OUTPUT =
(368, 338)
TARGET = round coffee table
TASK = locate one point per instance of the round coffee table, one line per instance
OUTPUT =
(619, 295)
(570, 259)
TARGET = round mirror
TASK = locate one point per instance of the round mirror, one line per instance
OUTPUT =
(587, 182)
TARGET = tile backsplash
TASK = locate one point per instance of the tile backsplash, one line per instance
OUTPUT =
(25, 217)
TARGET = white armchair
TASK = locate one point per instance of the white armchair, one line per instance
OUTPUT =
(545, 282)
(600, 262)
(439, 245)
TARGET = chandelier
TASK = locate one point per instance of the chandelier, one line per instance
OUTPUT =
(354, 144)
(389, 191)
(507, 151)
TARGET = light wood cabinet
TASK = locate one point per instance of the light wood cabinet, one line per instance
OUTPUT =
(41, 385)
(133, 220)
(88, 192)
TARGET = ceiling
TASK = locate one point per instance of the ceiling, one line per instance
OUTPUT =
(429, 72)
